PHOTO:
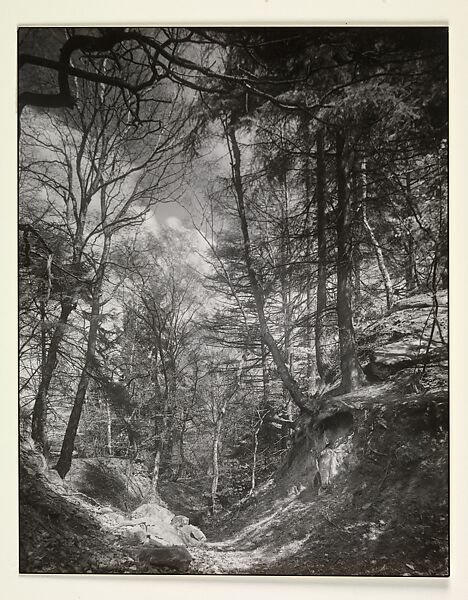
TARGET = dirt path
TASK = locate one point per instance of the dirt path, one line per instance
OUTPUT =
(240, 555)
(217, 559)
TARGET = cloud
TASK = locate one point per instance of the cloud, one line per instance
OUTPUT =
(175, 223)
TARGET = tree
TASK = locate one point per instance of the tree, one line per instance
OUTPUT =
(103, 155)
(351, 372)
(283, 370)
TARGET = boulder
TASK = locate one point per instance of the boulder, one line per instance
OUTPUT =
(173, 557)
(105, 510)
(197, 533)
(391, 358)
(165, 534)
(135, 535)
(179, 521)
(394, 354)
(153, 513)
(191, 534)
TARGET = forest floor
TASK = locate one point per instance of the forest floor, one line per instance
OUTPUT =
(389, 516)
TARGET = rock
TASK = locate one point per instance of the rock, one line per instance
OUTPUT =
(393, 357)
(153, 513)
(180, 521)
(191, 534)
(156, 521)
(397, 352)
(135, 534)
(105, 510)
(165, 534)
(149, 543)
(197, 533)
(116, 517)
(421, 301)
(173, 557)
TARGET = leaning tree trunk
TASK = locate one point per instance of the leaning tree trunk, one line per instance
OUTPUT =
(257, 293)
(375, 244)
(380, 260)
(64, 463)
(323, 365)
(38, 432)
(352, 376)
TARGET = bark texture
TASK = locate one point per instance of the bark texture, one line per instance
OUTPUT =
(352, 375)
(323, 365)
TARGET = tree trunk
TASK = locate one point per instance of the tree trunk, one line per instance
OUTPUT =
(181, 466)
(215, 461)
(352, 375)
(42, 414)
(441, 250)
(221, 412)
(38, 432)
(310, 333)
(64, 463)
(265, 376)
(357, 232)
(283, 371)
(160, 433)
(357, 275)
(286, 299)
(323, 366)
(155, 475)
(109, 428)
(254, 458)
(410, 263)
(168, 450)
(380, 260)
(375, 244)
(160, 430)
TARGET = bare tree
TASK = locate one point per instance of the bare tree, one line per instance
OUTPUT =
(104, 173)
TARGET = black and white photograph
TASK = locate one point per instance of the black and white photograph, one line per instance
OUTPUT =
(232, 313)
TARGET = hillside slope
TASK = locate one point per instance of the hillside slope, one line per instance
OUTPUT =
(384, 513)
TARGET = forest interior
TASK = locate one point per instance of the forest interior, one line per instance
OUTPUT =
(233, 300)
